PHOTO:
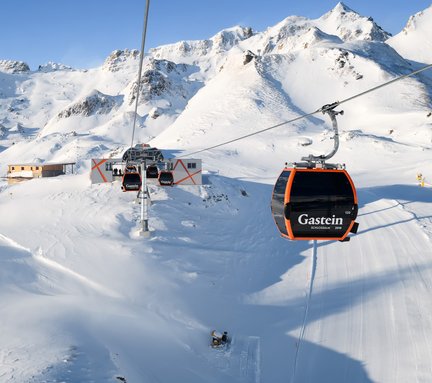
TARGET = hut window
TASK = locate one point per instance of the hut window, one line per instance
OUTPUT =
(191, 165)
(37, 167)
(22, 167)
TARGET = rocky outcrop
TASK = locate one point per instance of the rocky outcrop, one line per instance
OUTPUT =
(95, 103)
(53, 67)
(161, 77)
(221, 42)
(119, 58)
(10, 66)
(3, 131)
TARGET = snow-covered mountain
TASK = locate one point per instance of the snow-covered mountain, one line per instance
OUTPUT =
(414, 42)
(85, 299)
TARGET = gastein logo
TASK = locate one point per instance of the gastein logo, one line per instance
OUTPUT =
(304, 219)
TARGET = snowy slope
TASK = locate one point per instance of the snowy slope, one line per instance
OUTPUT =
(414, 41)
(85, 299)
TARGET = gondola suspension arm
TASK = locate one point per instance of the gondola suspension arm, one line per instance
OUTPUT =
(327, 109)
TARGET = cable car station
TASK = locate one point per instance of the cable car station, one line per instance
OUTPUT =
(171, 172)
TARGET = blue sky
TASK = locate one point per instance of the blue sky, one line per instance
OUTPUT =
(82, 33)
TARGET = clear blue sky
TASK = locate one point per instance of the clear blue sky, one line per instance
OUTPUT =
(82, 33)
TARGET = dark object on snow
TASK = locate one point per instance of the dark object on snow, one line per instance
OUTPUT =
(248, 57)
(218, 339)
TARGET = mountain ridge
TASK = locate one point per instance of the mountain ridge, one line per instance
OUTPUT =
(341, 45)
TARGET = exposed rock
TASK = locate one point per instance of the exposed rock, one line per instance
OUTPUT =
(344, 64)
(304, 141)
(160, 77)
(222, 41)
(17, 128)
(155, 112)
(52, 67)
(3, 130)
(118, 58)
(10, 66)
(95, 103)
(248, 57)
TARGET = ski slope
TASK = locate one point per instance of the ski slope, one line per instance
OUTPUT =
(102, 303)
(86, 299)
(370, 301)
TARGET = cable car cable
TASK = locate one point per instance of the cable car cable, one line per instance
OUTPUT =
(131, 180)
(337, 103)
(323, 109)
(250, 134)
(144, 33)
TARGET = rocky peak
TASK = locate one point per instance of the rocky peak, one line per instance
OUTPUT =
(414, 41)
(221, 42)
(349, 25)
(118, 58)
(11, 66)
(420, 20)
(52, 67)
(341, 8)
(227, 38)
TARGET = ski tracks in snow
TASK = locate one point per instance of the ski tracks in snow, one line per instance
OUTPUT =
(241, 359)
(306, 311)
(370, 299)
(58, 268)
(85, 281)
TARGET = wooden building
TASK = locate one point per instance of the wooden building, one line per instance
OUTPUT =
(37, 170)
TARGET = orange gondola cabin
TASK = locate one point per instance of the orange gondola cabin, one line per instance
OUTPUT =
(166, 178)
(131, 180)
(315, 200)
(315, 203)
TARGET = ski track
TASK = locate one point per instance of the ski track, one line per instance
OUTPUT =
(80, 278)
(396, 299)
(241, 360)
(367, 300)
(306, 311)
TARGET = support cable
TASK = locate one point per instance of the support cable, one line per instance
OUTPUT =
(144, 33)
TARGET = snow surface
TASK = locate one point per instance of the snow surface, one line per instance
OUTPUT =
(414, 41)
(86, 299)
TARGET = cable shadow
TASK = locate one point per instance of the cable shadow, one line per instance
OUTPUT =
(232, 220)
(407, 193)
(245, 254)
(401, 194)
(273, 323)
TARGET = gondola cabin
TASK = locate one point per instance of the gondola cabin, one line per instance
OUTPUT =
(152, 171)
(315, 203)
(131, 180)
(166, 178)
